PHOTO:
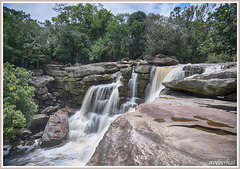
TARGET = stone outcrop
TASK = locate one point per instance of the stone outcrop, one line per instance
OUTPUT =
(42, 95)
(93, 79)
(172, 130)
(40, 81)
(72, 82)
(218, 83)
(56, 129)
(161, 60)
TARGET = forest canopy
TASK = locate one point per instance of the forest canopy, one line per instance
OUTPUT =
(86, 33)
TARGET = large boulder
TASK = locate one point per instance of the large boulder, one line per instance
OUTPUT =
(212, 87)
(161, 60)
(40, 81)
(222, 74)
(56, 129)
(219, 83)
(169, 132)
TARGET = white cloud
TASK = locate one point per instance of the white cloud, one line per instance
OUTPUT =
(39, 11)
(43, 11)
(162, 9)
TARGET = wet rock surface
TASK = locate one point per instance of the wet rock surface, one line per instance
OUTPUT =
(172, 130)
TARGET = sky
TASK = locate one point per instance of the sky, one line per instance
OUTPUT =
(43, 11)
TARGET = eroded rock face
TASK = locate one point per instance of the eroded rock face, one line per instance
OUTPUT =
(40, 81)
(169, 132)
(79, 71)
(56, 129)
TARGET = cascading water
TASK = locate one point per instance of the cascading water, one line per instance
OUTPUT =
(212, 68)
(99, 109)
(86, 128)
(158, 76)
(130, 104)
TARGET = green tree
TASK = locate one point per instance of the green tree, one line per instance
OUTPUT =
(136, 38)
(18, 103)
(221, 39)
(23, 39)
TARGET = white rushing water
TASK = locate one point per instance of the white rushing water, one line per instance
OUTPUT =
(130, 104)
(86, 129)
(158, 76)
(213, 68)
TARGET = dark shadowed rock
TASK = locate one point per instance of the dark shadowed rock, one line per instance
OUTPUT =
(47, 68)
(25, 133)
(42, 90)
(169, 132)
(38, 123)
(56, 129)
(40, 119)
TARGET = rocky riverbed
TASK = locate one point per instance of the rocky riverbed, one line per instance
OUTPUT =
(192, 122)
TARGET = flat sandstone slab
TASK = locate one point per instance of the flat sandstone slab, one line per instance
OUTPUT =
(169, 132)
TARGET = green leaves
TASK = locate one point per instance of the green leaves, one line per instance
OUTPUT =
(18, 103)
(90, 33)
(24, 39)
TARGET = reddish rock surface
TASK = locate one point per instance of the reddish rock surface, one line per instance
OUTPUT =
(56, 129)
(170, 131)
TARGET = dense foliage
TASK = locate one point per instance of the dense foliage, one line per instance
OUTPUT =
(90, 33)
(18, 104)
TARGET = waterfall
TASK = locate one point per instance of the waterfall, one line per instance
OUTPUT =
(158, 76)
(86, 128)
(130, 104)
(132, 85)
(100, 108)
